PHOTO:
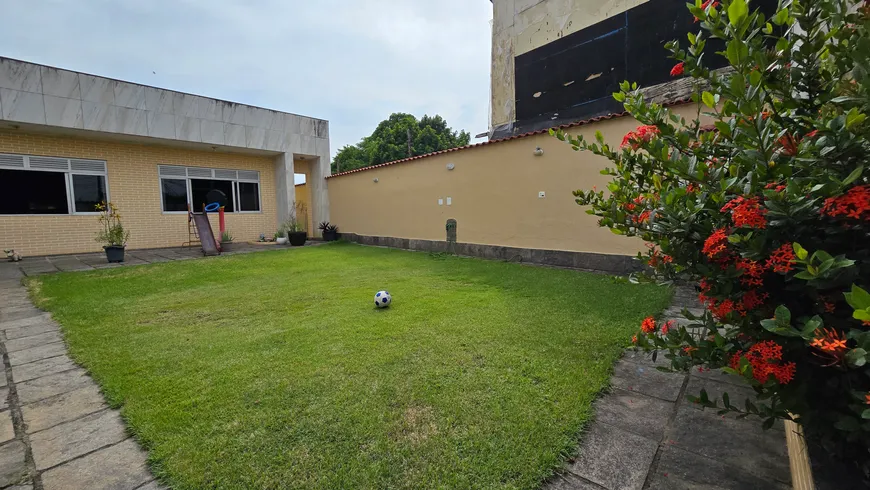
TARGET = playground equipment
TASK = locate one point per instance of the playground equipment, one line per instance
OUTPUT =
(199, 227)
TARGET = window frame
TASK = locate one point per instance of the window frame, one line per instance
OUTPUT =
(67, 177)
(187, 177)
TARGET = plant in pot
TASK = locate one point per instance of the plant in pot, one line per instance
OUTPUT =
(112, 234)
(281, 236)
(296, 233)
(226, 241)
(330, 232)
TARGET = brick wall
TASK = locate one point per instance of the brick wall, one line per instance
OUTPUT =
(134, 187)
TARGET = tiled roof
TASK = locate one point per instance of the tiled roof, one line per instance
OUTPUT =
(501, 140)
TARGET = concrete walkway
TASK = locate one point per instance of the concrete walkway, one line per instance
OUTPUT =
(645, 434)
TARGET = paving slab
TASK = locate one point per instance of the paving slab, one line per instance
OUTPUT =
(683, 470)
(4, 398)
(119, 467)
(739, 443)
(25, 322)
(51, 385)
(648, 380)
(67, 265)
(14, 298)
(614, 458)
(568, 481)
(44, 325)
(31, 341)
(19, 312)
(715, 389)
(64, 442)
(12, 466)
(62, 408)
(37, 353)
(7, 430)
(38, 369)
(634, 412)
(152, 485)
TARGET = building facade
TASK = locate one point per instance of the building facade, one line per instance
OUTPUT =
(69, 140)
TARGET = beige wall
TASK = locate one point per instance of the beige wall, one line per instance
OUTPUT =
(494, 191)
(134, 188)
(520, 26)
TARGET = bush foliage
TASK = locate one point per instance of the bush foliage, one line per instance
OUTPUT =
(763, 200)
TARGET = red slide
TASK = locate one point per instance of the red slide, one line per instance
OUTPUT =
(206, 236)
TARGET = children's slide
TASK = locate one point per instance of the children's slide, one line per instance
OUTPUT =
(206, 236)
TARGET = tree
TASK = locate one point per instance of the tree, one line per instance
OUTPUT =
(390, 141)
(767, 210)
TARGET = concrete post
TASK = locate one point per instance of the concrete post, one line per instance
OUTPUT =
(285, 186)
(319, 169)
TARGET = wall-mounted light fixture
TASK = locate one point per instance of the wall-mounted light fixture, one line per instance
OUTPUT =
(450, 166)
(539, 151)
(375, 180)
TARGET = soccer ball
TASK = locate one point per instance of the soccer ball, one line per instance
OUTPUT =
(383, 299)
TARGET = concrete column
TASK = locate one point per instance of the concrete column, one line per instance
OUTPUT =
(285, 186)
(319, 169)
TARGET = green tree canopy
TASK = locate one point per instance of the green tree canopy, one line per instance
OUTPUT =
(390, 139)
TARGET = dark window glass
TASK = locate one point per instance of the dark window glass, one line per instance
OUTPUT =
(249, 196)
(201, 188)
(30, 192)
(174, 194)
(88, 191)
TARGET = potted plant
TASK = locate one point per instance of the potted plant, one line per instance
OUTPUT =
(296, 233)
(112, 233)
(226, 241)
(330, 232)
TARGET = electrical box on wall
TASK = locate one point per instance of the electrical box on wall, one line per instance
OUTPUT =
(542, 195)
(440, 201)
(449, 201)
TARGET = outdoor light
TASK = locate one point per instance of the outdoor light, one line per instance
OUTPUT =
(450, 166)
(539, 151)
(375, 180)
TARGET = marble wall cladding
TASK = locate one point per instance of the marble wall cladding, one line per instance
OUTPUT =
(40, 94)
(21, 106)
(188, 129)
(97, 89)
(212, 131)
(63, 111)
(129, 95)
(60, 83)
(161, 125)
(234, 135)
(20, 76)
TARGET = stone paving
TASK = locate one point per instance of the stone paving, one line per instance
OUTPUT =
(646, 435)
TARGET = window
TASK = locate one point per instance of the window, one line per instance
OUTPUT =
(180, 186)
(49, 185)
(174, 194)
(203, 195)
(249, 196)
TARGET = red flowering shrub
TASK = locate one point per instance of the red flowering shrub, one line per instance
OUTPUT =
(769, 213)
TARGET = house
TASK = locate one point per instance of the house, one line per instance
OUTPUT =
(69, 140)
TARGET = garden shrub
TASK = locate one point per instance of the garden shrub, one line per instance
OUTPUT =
(763, 200)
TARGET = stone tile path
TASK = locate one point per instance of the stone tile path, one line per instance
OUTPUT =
(645, 434)
(56, 431)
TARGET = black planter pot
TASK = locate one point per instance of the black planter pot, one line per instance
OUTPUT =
(297, 238)
(226, 246)
(330, 236)
(114, 253)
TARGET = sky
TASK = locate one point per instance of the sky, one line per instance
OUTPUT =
(353, 62)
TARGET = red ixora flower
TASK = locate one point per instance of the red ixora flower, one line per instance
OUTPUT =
(775, 186)
(752, 299)
(812, 134)
(829, 341)
(668, 325)
(855, 204)
(716, 243)
(751, 272)
(789, 145)
(782, 259)
(678, 69)
(746, 212)
(867, 398)
(706, 4)
(641, 134)
(648, 325)
(765, 358)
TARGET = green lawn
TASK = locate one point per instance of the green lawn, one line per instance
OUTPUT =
(274, 370)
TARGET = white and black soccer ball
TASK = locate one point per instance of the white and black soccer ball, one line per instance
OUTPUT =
(383, 299)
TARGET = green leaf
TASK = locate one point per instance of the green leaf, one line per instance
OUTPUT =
(768, 424)
(782, 315)
(781, 17)
(858, 298)
(854, 118)
(856, 357)
(863, 315)
(692, 38)
(865, 414)
(708, 100)
(755, 78)
(800, 251)
(737, 11)
(619, 96)
(847, 424)
(854, 175)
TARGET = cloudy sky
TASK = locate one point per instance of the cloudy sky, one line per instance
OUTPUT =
(353, 62)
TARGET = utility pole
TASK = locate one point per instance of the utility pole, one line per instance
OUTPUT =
(409, 143)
